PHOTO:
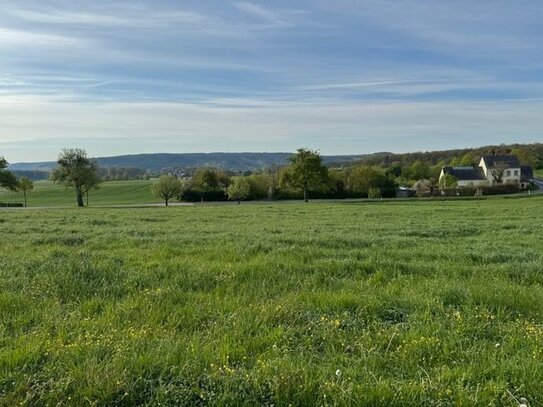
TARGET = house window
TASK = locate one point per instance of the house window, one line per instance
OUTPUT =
(516, 173)
(508, 173)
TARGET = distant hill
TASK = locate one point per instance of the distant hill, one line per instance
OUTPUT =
(158, 162)
(21, 168)
(255, 161)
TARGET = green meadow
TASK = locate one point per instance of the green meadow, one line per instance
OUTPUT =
(46, 193)
(389, 303)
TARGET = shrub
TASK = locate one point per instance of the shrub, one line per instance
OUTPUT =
(374, 193)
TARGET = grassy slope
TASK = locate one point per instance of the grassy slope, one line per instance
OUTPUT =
(396, 303)
(110, 193)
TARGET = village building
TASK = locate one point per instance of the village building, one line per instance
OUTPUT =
(492, 170)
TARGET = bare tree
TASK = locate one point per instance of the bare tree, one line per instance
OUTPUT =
(497, 171)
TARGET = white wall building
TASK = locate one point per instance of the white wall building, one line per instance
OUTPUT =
(492, 170)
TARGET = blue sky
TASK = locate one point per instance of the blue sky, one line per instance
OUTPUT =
(343, 76)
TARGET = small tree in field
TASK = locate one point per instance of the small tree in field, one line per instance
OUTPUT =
(167, 187)
(25, 185)
(306, 171)
(75, 169)
(239, 189)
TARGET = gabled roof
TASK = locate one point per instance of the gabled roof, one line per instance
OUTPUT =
(465, 173)
(526, 173)
(509, 160)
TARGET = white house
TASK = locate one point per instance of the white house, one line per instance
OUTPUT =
(492, 170)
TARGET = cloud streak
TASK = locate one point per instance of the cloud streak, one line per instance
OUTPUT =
(334, 128)
(349, 76)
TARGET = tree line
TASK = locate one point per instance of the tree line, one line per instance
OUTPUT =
(528, 154)
(305, 176)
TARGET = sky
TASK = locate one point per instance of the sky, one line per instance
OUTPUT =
(342, 76)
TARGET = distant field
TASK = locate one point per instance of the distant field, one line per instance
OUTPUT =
(539, 173)
(46, 193)
(403, 304)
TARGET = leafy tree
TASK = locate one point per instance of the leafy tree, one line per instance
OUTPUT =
(455, 162)
(447, 181)
(239, 189)
(75, 169)
(306, 171)
(394, 171)
(420, 170)
(364, 177)
(260, 185)
(167, 187)
(7, 179)
(205, 180)
(336, 182)
(526, 157)
(209, 184)
(468, 160)
(25, 185)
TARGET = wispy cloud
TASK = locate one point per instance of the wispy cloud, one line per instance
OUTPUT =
(256, 10)
(348, 74)
(10, 38)
(69, 17)
(183, 127)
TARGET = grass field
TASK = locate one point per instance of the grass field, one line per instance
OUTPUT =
(46, 193)
(408, 303)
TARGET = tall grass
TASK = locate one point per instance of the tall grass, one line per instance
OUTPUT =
(435, 303)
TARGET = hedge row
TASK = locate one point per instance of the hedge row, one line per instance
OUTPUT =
(10, 205)
(503, 189)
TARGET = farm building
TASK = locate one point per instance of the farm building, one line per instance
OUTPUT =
(405, 192)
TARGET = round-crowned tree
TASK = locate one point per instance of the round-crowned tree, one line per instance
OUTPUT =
(75, 169)
(306, 171)
(239, 189)
(167, 187)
